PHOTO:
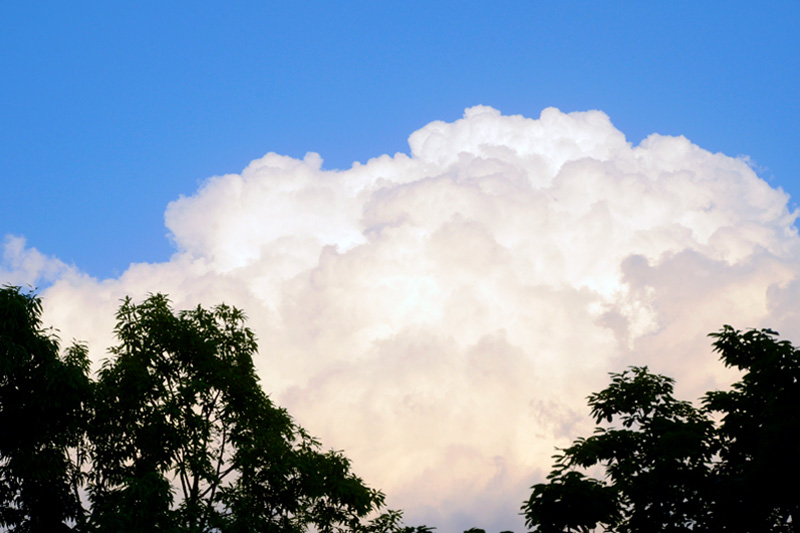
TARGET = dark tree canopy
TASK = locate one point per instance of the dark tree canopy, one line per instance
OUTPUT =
(175, 434)
(185, 437)
(759, 435)
(670, 467)
(43, 401)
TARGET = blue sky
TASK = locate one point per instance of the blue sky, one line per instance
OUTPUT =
(110, 110)
(440, 316)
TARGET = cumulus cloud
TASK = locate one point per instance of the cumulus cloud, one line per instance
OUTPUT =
(21, 265)
(441, 316)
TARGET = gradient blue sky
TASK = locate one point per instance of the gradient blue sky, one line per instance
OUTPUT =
(109, 110)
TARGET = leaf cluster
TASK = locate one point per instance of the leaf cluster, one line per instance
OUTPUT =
(43, 400)
(174, 435)
(669, 466)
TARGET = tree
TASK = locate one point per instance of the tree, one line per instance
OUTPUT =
(182, 412)
(655, 463)
(174, 435)
(759, 433)
(669, 467)
(42, 417)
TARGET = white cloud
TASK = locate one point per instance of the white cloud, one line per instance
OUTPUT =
(20, 265)
(442, 316)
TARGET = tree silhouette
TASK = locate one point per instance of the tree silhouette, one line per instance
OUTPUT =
(174, 435)
(759, 434)
(181, 403)
(43, 399)
(669, 467)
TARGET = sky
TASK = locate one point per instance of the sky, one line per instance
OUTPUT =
(447, 221)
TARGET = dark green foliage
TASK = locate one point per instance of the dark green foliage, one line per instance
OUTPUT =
(669, 467)
(392, 522)
(759, 432)
(182, 404)
(42, 417)
(175, 435)
(571, 502)
(654, 463)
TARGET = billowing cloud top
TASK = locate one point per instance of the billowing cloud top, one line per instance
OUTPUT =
(442, 316)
